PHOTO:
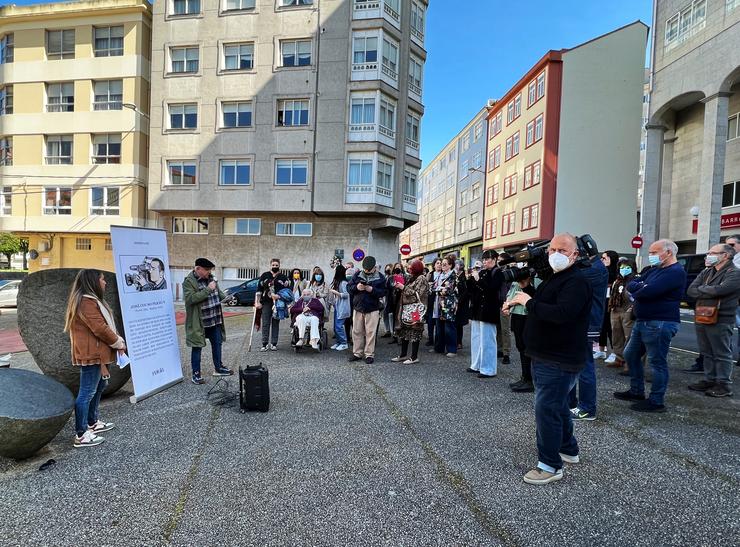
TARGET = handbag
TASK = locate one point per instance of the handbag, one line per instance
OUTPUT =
(706, 315)
(413, 314)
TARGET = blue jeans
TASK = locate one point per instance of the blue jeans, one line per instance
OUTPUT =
(445, 336)
(656, 336)
(214, 335)
(483, 347)
(552, 414)
(339, 331)
(92, 386)
(583, 395)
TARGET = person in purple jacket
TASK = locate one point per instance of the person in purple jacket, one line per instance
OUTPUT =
(657, 292)
(307, 311)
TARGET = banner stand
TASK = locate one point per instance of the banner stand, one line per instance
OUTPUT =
(135, 399)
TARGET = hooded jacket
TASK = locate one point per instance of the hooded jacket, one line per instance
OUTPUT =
(363, 301)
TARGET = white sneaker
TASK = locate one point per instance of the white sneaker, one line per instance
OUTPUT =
(299, 343)
(611, 359)
(315, 344)
(341, 347)
(273, 347)
(575, 411)
(100, 426)
(88, 439)
(599, 355)
(334, 346)
(265, 348)
(570, 459)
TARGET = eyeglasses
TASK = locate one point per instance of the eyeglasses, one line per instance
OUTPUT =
(717, 253)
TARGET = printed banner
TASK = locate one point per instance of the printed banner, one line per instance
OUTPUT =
(141, 260)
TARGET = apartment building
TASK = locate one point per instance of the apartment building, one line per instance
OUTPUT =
(73, 160)
(285, 128)
(450, 198)
(692, 167)
(564, 146)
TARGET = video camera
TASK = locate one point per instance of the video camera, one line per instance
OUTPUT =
(141, 269)
(537, 264)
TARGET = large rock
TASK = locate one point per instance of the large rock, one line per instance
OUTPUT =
(33, 409)
(42, 303)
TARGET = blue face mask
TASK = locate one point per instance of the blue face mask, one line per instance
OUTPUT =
(624, 272)
(654, 260)
(306, 298)
(319, 277)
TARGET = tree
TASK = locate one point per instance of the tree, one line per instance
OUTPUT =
(9, 245)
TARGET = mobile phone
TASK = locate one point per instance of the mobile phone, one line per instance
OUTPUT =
(398, 278)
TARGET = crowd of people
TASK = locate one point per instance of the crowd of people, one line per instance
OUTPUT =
(562, 323)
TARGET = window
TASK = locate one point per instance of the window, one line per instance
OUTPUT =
(360, 177)
(530, 217)
(540, 86)
(107, 148)
(387, 117)
(60, 44)
(492, 194)
(497, 124)
(733, 127)
(538, 127)
(298, 229)
(57, 201)
(489, 231)
(518, 106)
(510, 185)
(7, 50)
(296, 53)
(466, 141)
(683, 24)
(292, 113)
(108, 245)
(362, 111)
(384, 186)
(181, 225)
(365, 50)
(409, 187)
(185, 7)
(6, 200)
(477, 160)
(465, 168)
(531, 93)
(236, 5)
(508, 223)
(416, 71)
(532, 175)
(291, 172)
(463, 198)
(242, 226)
(731, 194)
(390, 59)
(182, 173)
(474, 221)
(237, 114)
(239, 56)
(417, 21)
(60, 97)
(284, 3)
(235, 172)
(475, 192)
(477, 131)
(108, 95)
(83, 244)
(6, 151)
(59, 149)
(514, 109)
(731, 5)
(183, 116)
(515, 144)
(497, 157)
(530, 134)
(6, 100)
(104, 200)
(412, 129)
(463, 226)
(108, 41)
(507, 154)
(184, 60)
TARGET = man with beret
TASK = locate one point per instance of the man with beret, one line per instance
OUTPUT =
(204, 318)
(366, 288)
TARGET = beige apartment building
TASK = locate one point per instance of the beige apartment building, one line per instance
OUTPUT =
(692, 166)
(73, 160)
(285, 128)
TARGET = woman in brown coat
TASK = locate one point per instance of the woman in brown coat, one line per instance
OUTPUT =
(415, 290)
(94, 341)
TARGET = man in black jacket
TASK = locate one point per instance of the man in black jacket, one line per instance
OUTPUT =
(268, 287)
(366, 288)
(556, 340)
(484, 289)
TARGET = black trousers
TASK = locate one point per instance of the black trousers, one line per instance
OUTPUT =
(518, 322)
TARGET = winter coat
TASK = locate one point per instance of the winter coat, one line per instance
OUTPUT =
(485, 302)
(463, 300)
(298, 286)
(315, 305)
(721, 286)
(269, 284)
(445, 307)
(283, 303)
(92, 339)
(323, 293)
(598, 277)
(363, 301)
(195, 333)
(415, 290)
(619, 299)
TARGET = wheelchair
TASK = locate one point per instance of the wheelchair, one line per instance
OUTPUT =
(306, 335)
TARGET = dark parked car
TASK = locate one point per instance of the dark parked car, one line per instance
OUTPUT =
(693, 264)
(244, 292)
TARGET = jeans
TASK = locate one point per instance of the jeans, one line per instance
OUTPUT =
(551, 412)
(270, 325)
(715, 345)
(583, 395)
(445, 336)
(339, 331)
(656, 336)
(92, 386)
(483, 347)
(214, 335)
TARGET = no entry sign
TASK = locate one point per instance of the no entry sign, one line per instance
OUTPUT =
(636, 242)
(405, 249)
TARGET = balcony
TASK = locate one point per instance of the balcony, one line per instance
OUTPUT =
(372, 132)
(412, 147)
(409, 203)
(376, 9)
(370, 194)
(414, 92)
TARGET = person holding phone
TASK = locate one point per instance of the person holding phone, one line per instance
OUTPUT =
(412, 290)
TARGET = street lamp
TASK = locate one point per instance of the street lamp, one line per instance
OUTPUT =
(471, 169)
(132, 106)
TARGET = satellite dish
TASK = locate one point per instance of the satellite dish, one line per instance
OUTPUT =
(34, 254)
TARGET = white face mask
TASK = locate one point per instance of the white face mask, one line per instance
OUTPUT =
(711, 260)
(558, 262)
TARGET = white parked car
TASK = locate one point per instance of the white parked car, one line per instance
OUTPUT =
(9, 293)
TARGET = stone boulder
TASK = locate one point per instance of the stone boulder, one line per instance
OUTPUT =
(33, 409)
(42, 303)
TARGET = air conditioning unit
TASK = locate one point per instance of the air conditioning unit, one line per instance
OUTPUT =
(44, 246)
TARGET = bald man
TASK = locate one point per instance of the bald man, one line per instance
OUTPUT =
(556, 340)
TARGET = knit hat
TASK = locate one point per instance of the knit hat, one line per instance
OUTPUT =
(416, 267)
(368, 263)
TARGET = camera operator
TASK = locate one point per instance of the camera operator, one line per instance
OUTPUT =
(556, 340)
(485, 315)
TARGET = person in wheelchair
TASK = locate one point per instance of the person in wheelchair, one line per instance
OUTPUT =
(308, 311)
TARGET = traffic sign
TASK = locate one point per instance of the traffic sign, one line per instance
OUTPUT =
(405, 249)
(358, 254)
(636, 242)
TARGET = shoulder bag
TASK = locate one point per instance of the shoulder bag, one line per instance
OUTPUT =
(413, 314)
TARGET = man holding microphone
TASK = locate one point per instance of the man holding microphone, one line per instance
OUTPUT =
(555, 339)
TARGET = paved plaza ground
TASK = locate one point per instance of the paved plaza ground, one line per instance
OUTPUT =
(382, 454)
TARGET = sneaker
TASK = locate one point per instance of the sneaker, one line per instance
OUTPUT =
(476, 371)
(410, 361)
(399, 359)
(223, 371)
(100, 426)
(196, 379)
(265, 348)
(599, 355)
(628, 396)
(570, 459)
(524, 387)
(702, 385)
(647, 406)
(334, 346)
(299, 343)
(582, 416)
(481, 375)
(314, 344)
(369, 360)
(341, 347)
(611, 359)
(353, 358)
(539, 476)
(451, 355)
(273, 347)
(88, 439)
(719, 390)
(506, 360)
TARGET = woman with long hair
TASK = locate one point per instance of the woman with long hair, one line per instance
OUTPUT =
(341, 307)
(610, 259)
(620, 312)
(297, 283)
(431, 279)
(414, 290)
(320, 289)
(445, 309)
(94, 340)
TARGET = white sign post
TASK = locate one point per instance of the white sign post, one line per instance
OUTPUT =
(142, 275)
